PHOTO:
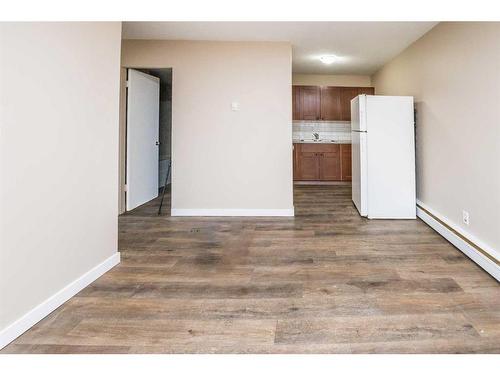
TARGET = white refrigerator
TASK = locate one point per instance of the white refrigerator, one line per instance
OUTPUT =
(383, 156)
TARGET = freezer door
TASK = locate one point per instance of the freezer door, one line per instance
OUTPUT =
(358, 113)
(359, 172)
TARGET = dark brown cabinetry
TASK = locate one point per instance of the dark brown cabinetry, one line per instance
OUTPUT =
(330, 165)
(345, 160)
(366, 90)
(308, 166)
(349, 93)
(306, 101)
(317, 162)
(320, 161)
(328, 103)
(296, 102)
(346, 95)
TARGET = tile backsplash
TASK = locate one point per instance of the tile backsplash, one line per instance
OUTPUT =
(327, 130)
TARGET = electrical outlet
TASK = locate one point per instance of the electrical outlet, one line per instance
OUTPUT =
(465, 217)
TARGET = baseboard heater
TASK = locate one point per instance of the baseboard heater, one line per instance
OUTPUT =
(478, 254)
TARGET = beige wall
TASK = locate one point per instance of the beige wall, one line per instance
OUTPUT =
(224, 159)
(59, 91)
(332, 80)
(453, 72)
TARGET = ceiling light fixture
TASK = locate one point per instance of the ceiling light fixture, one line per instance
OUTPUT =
(328, 59)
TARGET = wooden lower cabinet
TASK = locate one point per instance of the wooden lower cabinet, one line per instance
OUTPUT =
(308, 166)
(345, 162)
(330, 164)
(321, 162)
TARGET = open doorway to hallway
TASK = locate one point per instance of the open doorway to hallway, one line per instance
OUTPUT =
(146, 139)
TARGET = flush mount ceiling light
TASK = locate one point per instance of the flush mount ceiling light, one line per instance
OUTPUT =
(328, 59)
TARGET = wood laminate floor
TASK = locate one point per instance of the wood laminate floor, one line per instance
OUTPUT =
(326, 281)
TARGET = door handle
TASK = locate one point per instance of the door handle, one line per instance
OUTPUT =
(157, 143)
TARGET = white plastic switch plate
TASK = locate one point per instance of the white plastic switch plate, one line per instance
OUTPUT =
(465, 217)
(235, 106)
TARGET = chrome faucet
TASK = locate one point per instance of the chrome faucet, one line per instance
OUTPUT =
(316, 136)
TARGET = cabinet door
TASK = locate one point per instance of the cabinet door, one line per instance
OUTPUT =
(366, 90)
(296, 102)
(330, 164)
(345, 162)
(346, 95)
(308, 166)
(309, 103)
(295, 157)
(330, 104)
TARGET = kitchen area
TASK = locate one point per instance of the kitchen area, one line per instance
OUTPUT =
(322, 133)
(350, 136)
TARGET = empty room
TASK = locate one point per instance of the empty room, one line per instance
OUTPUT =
(250, 187)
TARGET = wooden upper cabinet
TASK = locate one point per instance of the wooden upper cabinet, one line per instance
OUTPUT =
(296, 102)
(349, 93)
(346, 95)
(366, 90)
(309, 102)
(330, 104)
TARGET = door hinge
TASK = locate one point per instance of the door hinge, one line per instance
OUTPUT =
(127, 83)
(125, 187)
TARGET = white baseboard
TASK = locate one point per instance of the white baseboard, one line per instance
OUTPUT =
(16, 329)
(231, 212)
(479, 253)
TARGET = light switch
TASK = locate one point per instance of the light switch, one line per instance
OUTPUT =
(235, 106)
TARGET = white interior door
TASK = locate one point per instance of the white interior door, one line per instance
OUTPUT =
(143, 106)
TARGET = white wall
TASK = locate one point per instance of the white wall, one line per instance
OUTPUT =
(454, 73)
(59, 98)
(221, 159)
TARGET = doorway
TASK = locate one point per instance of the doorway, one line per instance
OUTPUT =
(146, 138)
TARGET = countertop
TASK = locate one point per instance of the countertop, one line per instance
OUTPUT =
(321, 141)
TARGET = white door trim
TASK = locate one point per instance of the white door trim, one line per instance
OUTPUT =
(231, 212)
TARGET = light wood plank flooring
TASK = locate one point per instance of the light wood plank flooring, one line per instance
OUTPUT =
(326, 281)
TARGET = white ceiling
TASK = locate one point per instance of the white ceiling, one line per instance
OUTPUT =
(362, 47)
